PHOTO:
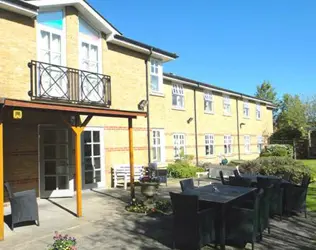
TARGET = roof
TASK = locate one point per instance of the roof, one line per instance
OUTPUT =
(20, 7)
(146, 46)
(171, 76)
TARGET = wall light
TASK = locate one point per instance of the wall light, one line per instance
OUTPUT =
(242, 124)
(142, 104)
(190, 120)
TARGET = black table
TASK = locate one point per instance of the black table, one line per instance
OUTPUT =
(222, 195)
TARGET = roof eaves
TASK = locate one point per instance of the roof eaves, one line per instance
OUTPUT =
(22, 4)
(146, 46)
(170, 75)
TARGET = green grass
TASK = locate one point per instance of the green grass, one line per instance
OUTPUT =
(311, 195)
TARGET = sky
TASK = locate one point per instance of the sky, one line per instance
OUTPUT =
(234, 44)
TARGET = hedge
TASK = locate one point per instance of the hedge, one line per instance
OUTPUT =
(183, 169)
(277, 150)
(277, 166)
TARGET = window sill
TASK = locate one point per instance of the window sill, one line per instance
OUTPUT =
(157, 94)
(258, 119)
(229, 115)
(208, 113)
(210, 156)
(246, 117)
(179, 109)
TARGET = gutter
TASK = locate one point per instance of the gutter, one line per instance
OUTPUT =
(195, 129)
(238, 129)
(148, 114)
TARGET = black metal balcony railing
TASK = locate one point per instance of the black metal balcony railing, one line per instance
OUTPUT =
(57, 83)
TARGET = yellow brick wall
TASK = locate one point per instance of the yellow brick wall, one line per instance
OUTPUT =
(17, 48)
(72, 35)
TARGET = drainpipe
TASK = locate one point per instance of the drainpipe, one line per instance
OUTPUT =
(195, 127)
(238, 129)
(147, 99)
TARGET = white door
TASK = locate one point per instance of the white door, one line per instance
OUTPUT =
(92, 84)
(52, 79)
(93, 158)
(56, 175)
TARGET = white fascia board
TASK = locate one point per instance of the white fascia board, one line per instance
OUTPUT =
(137, 48)
(88, 13)
(179, 81)
(257, 100)
(17, 9)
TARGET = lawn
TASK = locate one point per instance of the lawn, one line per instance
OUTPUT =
(311, 196)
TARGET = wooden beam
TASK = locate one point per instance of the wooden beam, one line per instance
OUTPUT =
(131, 156)
(83, 110)
(86, 121)
(1, 183)
(78, 179)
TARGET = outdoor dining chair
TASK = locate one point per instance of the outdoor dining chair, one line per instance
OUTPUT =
(276, 205)
(187, 184)
(224, 182)
(287, 176)
(236, 173)
(295, 196)
(239, 181)
(192, 228)
(23, 206)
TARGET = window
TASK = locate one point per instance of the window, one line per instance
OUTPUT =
(226, 105)
(209, 144)
(158, 145)
(156, 75)
(247, 143)
(178, 145)
(246, 109)
(259, 143)
(208, 102)
(177, 96)
(258, 111)
(228, 141)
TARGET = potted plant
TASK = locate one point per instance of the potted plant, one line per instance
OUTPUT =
(149, 186)
(63, 242)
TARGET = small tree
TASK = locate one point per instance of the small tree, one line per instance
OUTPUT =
(267, 92)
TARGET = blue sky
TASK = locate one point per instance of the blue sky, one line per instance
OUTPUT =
(228, 43)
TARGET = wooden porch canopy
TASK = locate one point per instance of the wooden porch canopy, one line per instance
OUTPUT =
(77, 127)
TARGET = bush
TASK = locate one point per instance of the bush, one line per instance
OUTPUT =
(277, 166)
(235, 162)
(277, 150)
(183, 169)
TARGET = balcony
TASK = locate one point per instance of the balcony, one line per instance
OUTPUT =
(49, 82)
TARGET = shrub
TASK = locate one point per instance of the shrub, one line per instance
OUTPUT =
(277, 150)
(235, 162)
(276, 166)
(63, 242)
(183, 169)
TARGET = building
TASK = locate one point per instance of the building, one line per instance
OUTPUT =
(73, 91)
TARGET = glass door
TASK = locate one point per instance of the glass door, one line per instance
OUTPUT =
(56, 175)
(93, 158)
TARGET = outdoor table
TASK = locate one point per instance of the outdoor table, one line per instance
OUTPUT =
(222, 195)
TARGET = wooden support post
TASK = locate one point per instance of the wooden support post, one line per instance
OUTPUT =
(1, 184)
(78, 131)
(131, 156)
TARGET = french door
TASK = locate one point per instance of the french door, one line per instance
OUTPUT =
(52, 79)
(92, 88)
(93, 158)
(56, 175)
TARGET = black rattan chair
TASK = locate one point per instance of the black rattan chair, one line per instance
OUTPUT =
(242, 224)
(224, 182)
(236, 173)
(23, 206)
(276, 205)
(239, 181)
(187, 184)
(192, 228)
(295, 196)
(287, 176)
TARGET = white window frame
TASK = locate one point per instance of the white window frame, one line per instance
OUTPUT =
(178, 92)
(228, 144)
(159, 74)
(247, 143)
(62, 33)
(210, 142)
(178, 142)
(227, 105)
(246, 109)
(258, 111)
(208, 98)
(90, 42)
(260, 143)
(160, 145)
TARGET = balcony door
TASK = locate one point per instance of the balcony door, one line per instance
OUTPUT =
(56, 173)
(92, 85)
(52, 79)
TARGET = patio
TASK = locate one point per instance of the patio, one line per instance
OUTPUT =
(106, 225)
